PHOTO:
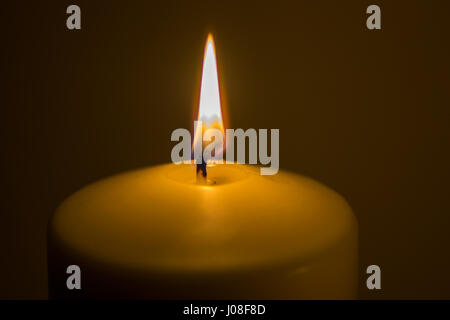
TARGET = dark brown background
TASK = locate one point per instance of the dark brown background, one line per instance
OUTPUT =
(365, 112)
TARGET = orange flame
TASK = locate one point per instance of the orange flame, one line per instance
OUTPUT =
(210, 112)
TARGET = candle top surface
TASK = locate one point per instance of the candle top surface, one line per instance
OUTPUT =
(159, 218)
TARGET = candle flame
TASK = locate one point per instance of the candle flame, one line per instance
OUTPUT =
(210, 112)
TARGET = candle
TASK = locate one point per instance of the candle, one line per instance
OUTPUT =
(159, 233)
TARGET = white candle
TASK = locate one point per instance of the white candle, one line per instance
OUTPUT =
(156, 233)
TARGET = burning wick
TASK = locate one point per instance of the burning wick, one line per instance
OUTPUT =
(201, 169)
(201, 177)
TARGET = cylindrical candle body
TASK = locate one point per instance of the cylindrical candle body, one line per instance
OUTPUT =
(156, 233)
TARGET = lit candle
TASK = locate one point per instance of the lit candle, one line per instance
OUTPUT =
(159, 233)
